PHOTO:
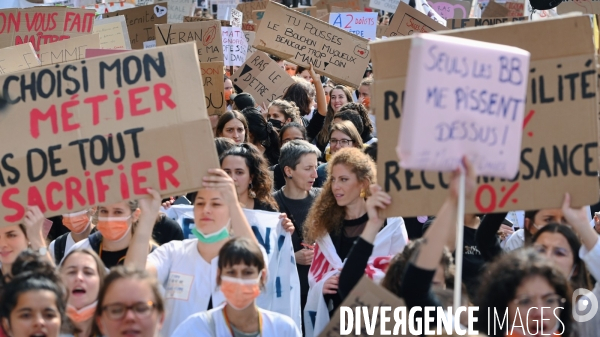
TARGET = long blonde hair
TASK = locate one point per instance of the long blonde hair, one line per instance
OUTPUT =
(325, 216)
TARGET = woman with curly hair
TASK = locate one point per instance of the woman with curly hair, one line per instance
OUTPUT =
(336, 219)
(249, 170)
(367, 131)
(282, 112)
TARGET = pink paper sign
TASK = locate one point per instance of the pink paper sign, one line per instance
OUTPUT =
(463, 98)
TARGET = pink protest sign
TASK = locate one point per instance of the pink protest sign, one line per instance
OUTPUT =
(463, 98)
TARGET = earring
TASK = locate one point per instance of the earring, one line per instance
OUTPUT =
(290, 177)
(251, 193)
(363, 193)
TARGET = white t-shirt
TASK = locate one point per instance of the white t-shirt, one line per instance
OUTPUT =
(70, 242)
(212, 323)
(188, 280)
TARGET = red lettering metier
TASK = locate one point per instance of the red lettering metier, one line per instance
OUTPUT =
(160, 94)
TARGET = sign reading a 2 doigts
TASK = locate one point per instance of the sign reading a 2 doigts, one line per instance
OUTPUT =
(304, 40)
(99, 137)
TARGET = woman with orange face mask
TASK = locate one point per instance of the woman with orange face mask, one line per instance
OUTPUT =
(83, 274)
(79, 225)
(115, 224)
(229, 90)
(241, 275)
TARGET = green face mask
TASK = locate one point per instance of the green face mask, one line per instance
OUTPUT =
(211, 238)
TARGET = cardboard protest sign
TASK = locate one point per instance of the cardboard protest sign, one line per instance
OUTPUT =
(42, 25)
(356, 5)
(474, 109)
(18, 58)
(385, 5)
(584, 6)
(90, 52)
(250, 36)
(452, 9)
(235, 46)
(262, 78)
(366, 295)
(515, 9)
(236, 18)
(494, 10)
(224, 8)
(245, 26)
(363, 24)
(257, 15)
(140, 22)
(113, 33)
(303, 40)
(467, 23)
(248, 7)
(214, 89)
(408, 20)
(101, 136)
(207, 35)
(381, 30)
(68, 50)
(559, 143)
(177, 9)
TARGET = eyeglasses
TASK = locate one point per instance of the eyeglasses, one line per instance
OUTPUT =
(552, 301)
(118, 310)
(341, 142)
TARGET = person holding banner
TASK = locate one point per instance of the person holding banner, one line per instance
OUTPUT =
(233, 125)
(340, 95)
(17, 238)
(337, 218)
(79, 225)
(116, 226)
(241, 275)
(188, 269)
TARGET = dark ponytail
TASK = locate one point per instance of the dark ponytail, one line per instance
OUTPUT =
(263, 133)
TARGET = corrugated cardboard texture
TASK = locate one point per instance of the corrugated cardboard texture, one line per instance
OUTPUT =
(113, 33)
(304, 40)
(18, 58)
(262, 78)
(214, 88)
(207, 35)
(585, 7)
(559, 147)
(118, 125)
(408, 20)
(140, 23)
(468, 23)
(68, 50)
(42, 25)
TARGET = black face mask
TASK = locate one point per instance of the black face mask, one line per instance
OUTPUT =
(544, 4)
(276, 123)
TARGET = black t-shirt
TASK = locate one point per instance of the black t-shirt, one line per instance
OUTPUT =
(166, 230)
(263, 206)
(112, 259)
(472, 261)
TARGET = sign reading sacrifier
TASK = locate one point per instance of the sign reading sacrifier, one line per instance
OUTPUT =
(100, 136)
(304, 40)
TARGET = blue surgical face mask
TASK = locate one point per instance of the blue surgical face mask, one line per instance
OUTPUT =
(217, 236)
